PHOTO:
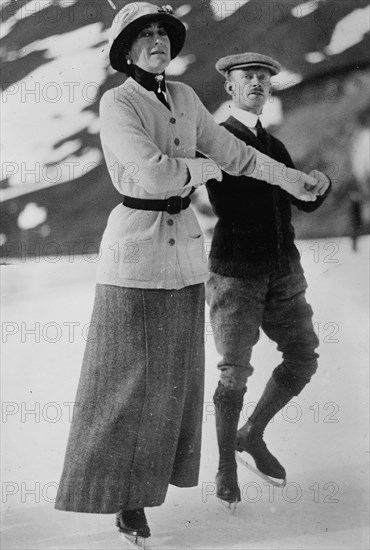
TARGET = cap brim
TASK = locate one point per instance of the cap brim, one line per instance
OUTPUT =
(176, 32)
(273, 70)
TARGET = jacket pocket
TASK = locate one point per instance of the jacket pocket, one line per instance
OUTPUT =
(136, 260)
(196, 255)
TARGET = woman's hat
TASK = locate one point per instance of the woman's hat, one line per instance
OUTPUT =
(134, 17)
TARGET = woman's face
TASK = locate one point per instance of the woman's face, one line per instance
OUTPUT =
(151, 50)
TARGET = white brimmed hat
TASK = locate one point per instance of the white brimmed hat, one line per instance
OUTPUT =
(131, 19)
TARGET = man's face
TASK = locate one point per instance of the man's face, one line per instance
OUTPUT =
(250, 88)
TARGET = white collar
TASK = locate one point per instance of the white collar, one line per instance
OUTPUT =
(245, 117)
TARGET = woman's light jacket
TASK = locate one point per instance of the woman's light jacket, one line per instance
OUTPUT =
(150, 153)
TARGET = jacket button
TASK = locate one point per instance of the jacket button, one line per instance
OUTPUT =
(173, 120)
(171, 242)
(177, 141)
(170, 222)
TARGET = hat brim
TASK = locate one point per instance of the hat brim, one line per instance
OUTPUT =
(273, 70)
(176, 32)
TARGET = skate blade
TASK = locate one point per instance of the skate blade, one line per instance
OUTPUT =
(229, 506)
(133, 541)
(267, 478)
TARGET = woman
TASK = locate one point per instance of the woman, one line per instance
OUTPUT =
(138, 414)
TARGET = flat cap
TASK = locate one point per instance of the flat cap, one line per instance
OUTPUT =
(245, 60)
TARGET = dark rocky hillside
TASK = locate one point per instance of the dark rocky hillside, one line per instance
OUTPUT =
(39, 51)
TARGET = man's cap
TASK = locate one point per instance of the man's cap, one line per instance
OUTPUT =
(131, 19)
(246, 60)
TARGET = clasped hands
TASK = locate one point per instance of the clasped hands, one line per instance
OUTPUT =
(305, 187)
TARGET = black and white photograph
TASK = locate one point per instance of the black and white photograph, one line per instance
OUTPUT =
(184, 251)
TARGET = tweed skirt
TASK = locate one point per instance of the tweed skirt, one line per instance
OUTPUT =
(137, 419)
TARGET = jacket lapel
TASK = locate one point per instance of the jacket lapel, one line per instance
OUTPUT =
(245, 134)
(130, 88)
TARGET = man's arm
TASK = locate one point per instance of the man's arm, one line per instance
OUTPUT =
(322, 188)
(237, 158)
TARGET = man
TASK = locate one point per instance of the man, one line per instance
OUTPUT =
(256, 280)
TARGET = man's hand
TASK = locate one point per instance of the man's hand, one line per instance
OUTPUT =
(322, 183)
(302, 186)
(298, 184)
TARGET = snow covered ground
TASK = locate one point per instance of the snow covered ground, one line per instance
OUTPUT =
(321, 438)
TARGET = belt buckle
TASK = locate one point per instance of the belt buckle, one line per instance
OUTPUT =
(174, 205)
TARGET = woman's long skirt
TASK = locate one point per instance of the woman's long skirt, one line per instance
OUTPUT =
(137, 419)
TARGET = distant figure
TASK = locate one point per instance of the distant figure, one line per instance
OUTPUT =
(256, 281)
(359, 190)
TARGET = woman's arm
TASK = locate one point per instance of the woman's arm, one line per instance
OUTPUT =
(123, 133)
(237, 158)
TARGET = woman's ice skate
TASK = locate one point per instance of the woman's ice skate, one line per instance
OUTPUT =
(133, 527)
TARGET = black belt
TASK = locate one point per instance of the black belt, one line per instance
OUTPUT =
(173, 205)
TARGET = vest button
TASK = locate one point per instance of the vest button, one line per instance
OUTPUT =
(171, 242)
(173, 120)
(177, 141)
(170, 222)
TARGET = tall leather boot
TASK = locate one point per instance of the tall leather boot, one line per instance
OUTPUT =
(228, 404)
(250, 436)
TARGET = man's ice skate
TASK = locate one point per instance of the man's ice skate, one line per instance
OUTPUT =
(228, 404)
(133, 527)
(227, 489)
(250, 440)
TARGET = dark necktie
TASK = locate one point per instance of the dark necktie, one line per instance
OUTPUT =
(261, 134)
(162, 99)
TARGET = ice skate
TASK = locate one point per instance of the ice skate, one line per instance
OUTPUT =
(250, 440)
(275, 482)
(228, 404)
(133, 542)
(227, 489)
(133, 528)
